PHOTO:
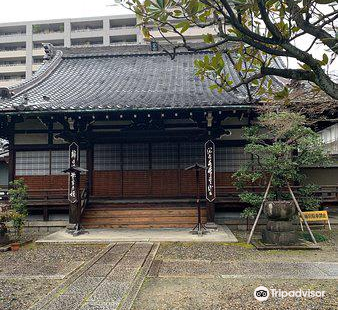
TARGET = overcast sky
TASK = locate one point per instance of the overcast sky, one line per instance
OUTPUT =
(26, 10)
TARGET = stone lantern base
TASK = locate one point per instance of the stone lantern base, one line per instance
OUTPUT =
(279, 229)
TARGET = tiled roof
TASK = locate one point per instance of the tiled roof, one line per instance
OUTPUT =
(3, 148)
(118, 79)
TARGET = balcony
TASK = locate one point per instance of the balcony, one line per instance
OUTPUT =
(87, 29)
(122, 43)
(13, 39)
(10, 82)
(38, 52)
(87, 41)
(14, 34)
(18, 53)
(123, 39)
(43, 36)
(194, 32)
(123, 30)
(79, 34)
(13, 68)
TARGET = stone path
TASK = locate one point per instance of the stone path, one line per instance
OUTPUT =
(108, 281)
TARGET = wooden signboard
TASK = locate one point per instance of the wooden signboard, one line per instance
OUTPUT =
(210, 173)
(73, 176)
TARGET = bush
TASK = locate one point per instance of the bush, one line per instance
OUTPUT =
(18, 202)
(280, 145)
(319, 237)
(249, 213)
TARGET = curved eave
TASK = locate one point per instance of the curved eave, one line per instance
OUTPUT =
(116, 111)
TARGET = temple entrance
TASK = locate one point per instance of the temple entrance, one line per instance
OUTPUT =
(148, 170)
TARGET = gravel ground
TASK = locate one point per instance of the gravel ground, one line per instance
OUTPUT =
(30, 273)
(224, 294)
(182, 282)
(21, 294)
(242, 251)
(189, 276)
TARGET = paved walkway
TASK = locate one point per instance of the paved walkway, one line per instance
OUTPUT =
(108, 281)
(223, 234)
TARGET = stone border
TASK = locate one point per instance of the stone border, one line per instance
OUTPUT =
(76, 274)
(303, 246)
(128, 301)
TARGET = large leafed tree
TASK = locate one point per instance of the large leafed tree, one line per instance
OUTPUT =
(254, 35)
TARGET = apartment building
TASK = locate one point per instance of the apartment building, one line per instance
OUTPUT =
(21, 51)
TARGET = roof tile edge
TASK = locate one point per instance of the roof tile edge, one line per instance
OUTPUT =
(45, 70)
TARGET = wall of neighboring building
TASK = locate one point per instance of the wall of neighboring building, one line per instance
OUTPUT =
(21, 51)
(322, 176)
(330, 138)
(3, 173)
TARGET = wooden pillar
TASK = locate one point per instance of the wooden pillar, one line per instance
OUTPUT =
(90, 168)
(210, 211)
(74, 207)
(11, 159)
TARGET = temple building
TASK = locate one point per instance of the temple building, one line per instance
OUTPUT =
(139, 119)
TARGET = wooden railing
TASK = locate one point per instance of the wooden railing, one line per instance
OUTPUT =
(47, 199)
(327, 193)
(47, 194)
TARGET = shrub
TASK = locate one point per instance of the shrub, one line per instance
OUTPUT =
(18, 202)
(280, 144)
(319, 237)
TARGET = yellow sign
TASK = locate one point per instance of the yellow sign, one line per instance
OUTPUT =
(315, 216)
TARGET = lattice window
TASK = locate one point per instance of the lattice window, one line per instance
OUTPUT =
(32, 163)
(107, 157)
(60, 161)
(191, 153)
(230, 158)
(164, 156)
(135, 156)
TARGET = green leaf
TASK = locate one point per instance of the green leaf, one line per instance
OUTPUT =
(208, 38)
(325, 60)
(193, 6)
(282, 94)
(184, 25)
(160, 3)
